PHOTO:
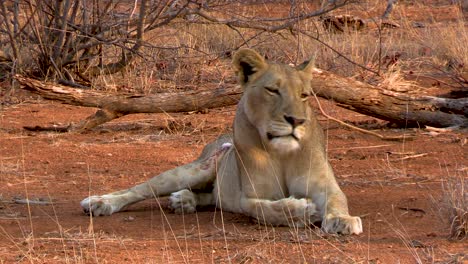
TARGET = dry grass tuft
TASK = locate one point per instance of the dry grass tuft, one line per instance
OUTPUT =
(394, 80)
(456, 197)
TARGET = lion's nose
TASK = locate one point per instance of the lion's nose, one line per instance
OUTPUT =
(294, 121)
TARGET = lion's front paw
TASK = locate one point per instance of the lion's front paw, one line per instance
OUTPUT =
(301, 211)
(309, 207)
(345, 224)
(183, 202)
(97, 205)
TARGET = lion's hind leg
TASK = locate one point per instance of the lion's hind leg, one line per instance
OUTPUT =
(197, 174)
(186, 201)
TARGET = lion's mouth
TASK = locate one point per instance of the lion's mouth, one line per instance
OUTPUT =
(270, 136)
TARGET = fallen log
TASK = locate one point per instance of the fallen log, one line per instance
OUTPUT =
(396, 107)
(114, 106)
(348, 93)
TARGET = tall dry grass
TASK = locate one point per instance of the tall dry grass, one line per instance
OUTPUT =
(456, 202)
(190, 54)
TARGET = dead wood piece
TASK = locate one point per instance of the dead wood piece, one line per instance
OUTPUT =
(387, 23)
(33, 202)
(389, 8)
(342, 23)
(418, 210)
(443, 130)
(53, 128)
(399, 108)
(412, 157)
(100, 117)
(114, 106)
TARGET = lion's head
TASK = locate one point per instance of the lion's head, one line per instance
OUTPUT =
(275, 102)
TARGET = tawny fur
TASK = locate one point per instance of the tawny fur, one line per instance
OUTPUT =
(273, 167)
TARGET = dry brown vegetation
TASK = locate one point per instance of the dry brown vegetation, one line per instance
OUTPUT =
(189, 50)
(456, 198)
(389, 184)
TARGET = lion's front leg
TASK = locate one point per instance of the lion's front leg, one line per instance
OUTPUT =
(336, 219)
(287, 211)
(331, 202)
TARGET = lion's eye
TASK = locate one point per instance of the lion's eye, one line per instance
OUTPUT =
(272, 90)
(304, 96)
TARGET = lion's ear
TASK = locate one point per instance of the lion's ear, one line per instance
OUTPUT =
(247, 63)
(307, 66)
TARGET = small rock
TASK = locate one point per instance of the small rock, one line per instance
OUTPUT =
(417, 244)
(129, 219)
(418, 25)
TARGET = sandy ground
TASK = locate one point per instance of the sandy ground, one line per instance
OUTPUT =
(396, 187)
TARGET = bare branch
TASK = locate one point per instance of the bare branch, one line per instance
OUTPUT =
(241, 23)
(389, 8)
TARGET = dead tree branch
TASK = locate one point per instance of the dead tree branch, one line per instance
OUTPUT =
(351, 94)
(114, 106)
(389, 8)
(388, 105)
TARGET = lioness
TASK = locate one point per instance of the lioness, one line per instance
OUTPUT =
(273, 168)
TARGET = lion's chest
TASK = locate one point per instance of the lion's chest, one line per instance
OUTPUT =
(268, 178)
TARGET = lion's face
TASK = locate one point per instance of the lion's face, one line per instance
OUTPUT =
(275, 101)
